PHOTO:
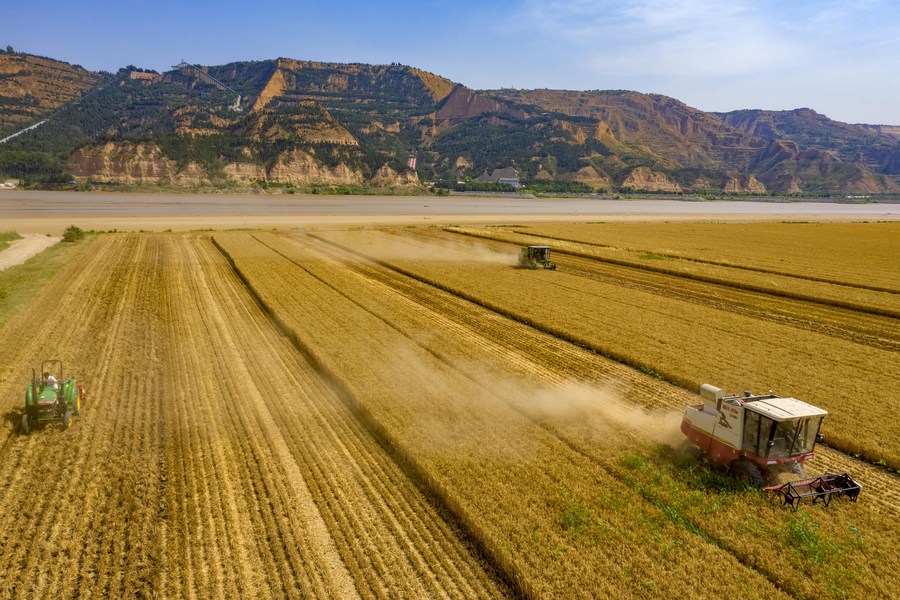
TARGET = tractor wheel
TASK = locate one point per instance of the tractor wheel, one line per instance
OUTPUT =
(747, 472)
(25, 429)
(66, 419)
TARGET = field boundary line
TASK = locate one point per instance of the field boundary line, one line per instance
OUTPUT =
(881, 312)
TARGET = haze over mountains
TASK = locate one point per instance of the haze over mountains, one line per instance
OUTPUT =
(287, 121)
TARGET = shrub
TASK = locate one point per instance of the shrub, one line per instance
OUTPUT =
(73, 234)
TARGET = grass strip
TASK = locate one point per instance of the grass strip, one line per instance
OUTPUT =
(20, 284)
(6, 237)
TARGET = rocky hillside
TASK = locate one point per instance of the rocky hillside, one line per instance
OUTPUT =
(742, 151)
(286, 121)
(876, 147)
(32, 87)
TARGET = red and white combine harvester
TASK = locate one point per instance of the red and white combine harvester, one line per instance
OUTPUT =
(758, 437)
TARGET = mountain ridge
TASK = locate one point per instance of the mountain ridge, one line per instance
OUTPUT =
(313, 123)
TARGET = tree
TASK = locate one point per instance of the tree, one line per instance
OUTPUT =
(9, 50)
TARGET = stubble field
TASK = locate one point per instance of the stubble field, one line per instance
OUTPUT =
(401, 413)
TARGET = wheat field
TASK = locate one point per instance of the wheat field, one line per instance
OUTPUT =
(386, 413)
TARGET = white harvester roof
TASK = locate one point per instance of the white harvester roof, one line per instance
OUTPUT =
(782, 409)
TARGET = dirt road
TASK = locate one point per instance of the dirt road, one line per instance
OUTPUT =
(22, 249)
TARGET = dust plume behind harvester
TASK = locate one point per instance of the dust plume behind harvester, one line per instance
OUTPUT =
(758, 437)
(51, 397)
(535, 257)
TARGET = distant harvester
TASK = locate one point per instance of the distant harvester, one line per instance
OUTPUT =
(535, 257)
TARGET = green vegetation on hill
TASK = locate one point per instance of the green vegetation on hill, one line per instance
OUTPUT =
(356, 119)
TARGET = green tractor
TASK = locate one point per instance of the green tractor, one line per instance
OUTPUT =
(51, 397)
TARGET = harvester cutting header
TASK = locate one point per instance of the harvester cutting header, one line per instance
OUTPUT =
(756, 437)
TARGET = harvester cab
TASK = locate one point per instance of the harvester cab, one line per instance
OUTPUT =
(50, 396)
(535, 257)
(756, 437)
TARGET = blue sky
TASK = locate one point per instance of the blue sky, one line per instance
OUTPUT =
(841, 58)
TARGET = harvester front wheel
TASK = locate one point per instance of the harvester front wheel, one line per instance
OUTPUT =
(747, 472)
(26, 426)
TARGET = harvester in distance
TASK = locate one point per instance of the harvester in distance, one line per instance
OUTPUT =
(535, 257)
(51, 397)
(757, 437)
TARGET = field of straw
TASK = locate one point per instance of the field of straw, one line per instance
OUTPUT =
(386, 413)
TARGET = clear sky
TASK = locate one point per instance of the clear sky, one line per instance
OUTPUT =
(838, 57)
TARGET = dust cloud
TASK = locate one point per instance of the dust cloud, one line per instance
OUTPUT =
(599, 411)
(388, 247)
(483, 416)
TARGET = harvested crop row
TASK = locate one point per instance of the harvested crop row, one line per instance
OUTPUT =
(78, 512)
(878, 301)
(227, 490)
(392, 540)
(853, 253)
(187, 474)
(508, 479)
(525, 368)
(681, 341)
(874, 330)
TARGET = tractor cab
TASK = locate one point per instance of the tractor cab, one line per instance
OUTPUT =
(780, 428)
(535, 257)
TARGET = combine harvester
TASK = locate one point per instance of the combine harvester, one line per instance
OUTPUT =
(51, 398)
(535, 257)
(758, 437)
